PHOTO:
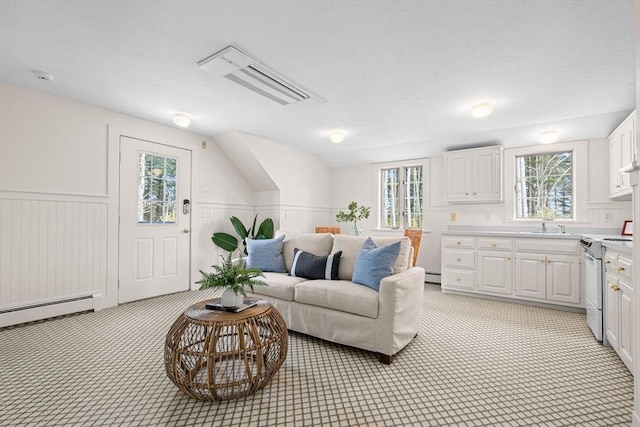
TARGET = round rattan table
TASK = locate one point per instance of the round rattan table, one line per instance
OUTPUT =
(216, 355)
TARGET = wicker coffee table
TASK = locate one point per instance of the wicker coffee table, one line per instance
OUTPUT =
(216, 355)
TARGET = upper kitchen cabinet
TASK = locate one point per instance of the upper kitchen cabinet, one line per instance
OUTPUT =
(474, 175)
(622, 152)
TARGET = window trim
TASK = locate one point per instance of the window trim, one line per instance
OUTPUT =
(377, 190)
(580, 151)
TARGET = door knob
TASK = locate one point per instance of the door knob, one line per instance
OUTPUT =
(185, 231)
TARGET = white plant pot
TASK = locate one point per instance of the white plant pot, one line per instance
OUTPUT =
(355, 230)
(230, 299)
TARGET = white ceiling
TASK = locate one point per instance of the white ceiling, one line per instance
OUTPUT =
(399, 76)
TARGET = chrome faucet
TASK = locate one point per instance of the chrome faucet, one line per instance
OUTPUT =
(562, 229)
(544, 224)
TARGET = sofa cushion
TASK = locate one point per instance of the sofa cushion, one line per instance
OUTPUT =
(350, 247)
(339, 295)
(266, 254)
(281, 286)
(374, 264)
(312, 266)
(316, 243)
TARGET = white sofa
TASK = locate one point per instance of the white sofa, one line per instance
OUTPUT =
(345, 312)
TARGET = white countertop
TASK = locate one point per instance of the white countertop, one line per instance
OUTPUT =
(513, 234)
(623, 247)
(620, 246)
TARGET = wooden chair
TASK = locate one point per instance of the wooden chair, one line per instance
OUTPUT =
(415, 235)
(332, 230)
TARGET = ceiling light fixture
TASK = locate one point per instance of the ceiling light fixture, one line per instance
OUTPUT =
(336, 136)
(181, 120)
(549, 137)
(481, 110)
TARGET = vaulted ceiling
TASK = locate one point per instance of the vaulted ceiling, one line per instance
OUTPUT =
(399, 77)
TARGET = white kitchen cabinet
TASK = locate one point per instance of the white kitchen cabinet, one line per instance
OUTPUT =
(619, 295)
(553, 277)
(495, 272)
(474, 175)
(458, 263)
(622, 151)
(563, 278)
(544, 270)
(531, 275)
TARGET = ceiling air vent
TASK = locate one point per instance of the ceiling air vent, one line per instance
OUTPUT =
(240, 68)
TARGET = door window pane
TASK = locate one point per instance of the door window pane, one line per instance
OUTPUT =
(157, 193)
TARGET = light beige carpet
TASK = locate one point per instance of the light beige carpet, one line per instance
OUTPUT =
(475, 363)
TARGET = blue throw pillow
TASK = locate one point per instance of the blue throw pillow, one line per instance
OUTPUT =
(374, 264)
(266, 255)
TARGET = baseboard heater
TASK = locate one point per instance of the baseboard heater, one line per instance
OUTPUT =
(433, 278)
(48, 309)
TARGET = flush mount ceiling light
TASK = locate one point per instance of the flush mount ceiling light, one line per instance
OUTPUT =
(181, 120)
(336, 136)
(549, 137)
(481, 110)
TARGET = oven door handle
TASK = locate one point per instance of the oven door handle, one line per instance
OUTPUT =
(589, 256)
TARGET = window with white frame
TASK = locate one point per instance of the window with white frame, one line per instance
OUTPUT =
(544, 185)
(401, 197)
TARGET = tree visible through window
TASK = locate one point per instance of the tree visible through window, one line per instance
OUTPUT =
(544, 185)
(156, 189)
(401, 197)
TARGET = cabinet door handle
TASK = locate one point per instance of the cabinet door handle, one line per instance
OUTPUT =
(457, 243)
(614, 288)
(620, 268)
(508, 258)
(548, 261)
(458, 279)
(493, 245)
(458, 259)
(607, 262)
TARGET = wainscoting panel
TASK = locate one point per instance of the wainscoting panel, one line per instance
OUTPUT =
(51, 249)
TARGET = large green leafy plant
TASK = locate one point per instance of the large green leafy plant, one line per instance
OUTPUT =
(230, 243)
(231, 274)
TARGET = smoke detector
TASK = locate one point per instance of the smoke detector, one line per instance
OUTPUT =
(41, 75)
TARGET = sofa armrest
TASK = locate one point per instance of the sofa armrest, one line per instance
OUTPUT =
(400, 309)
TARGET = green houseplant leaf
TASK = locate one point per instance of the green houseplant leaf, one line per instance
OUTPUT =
(239, 227)
(225, 241)
(265, 231)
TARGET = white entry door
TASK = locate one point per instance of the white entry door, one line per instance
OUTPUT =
(154, 249)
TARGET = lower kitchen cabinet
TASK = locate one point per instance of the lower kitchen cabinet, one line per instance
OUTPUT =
(495, 272)
(619, 294)
(531, 275)
(544, 270)
(563, 278)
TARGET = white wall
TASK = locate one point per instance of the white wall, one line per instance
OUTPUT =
(59, 194)
(299, 181)
(361, 187)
